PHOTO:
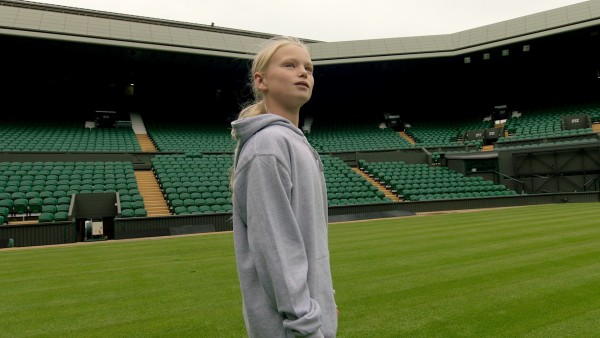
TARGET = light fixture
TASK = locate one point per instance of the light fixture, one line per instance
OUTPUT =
(486, 56)
(526, 48)
(505, 52)
(467, 59)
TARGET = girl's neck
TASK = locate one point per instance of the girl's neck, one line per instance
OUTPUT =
(293, 115)
(292, 118)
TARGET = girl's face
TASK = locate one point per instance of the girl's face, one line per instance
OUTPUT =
(288, 80)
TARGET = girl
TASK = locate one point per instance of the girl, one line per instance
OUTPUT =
(280, 203)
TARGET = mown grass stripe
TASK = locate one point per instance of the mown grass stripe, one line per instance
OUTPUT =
(527, 271)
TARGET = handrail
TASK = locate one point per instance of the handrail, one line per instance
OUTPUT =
(588, 182)
(506, 176)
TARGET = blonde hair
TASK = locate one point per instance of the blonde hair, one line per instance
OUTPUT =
(260, 63)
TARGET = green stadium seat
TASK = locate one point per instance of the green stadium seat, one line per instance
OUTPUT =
(61, 216)
(17, 195)
(35, 205)
(63, 200)
(4, 211)
(180, 210)
(46, 217)
(50, 201)
(127, 213)
(217, 208)
(176, 203)
(49, 209)
(59, 193)
(32, 194)
(20, 205)
(137, 205)
(62, 207)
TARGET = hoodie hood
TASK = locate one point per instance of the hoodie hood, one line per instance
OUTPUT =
(246, 127)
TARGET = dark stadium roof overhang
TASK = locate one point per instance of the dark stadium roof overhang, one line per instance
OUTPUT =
(458, 51)
(164, 52)
(59, 23)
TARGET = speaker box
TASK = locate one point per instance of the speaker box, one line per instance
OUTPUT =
(493, 133)
(474, 135)
(106, 119)
(576, 121)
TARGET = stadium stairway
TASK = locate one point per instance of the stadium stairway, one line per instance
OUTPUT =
(381, 188)
(137, 124)
(406, 137)
(146, 143)
(596, 127)
(154, 201)
(489, 147)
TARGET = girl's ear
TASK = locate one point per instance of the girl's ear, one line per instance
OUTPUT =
(259, 80)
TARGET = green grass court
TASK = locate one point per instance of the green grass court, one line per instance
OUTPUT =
(518, 272)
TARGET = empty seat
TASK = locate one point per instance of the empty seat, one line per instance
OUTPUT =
(127, 213)
(61, 216)
(35, 205)
(20, 205)
(4, 211)
(46, 217)
(62, 207)
(49, 209)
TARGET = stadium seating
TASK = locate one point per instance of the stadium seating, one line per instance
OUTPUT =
(418, 182)
(47, 187)
(190, 138)
(194, 181)
(64, 136)
(446, 133)
(543, 126)
(347, 137)
(197, 182)
(346, 187)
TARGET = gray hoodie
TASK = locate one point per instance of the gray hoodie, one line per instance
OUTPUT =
(280, 231)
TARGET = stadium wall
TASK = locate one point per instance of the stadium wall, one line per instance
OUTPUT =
(142, 226)
(555, 169)
(412, 156)
(472, 203)
(40, 234)
(65, 232)
(79, 156)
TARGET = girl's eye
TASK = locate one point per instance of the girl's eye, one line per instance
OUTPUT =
(289, 65)
(310, 70)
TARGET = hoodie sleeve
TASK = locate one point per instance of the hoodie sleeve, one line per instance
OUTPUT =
(276, 242)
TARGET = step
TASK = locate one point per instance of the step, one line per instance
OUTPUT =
(137, 123)
(381, 188)
(149, 188)
(146, 143)
(406, 137)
